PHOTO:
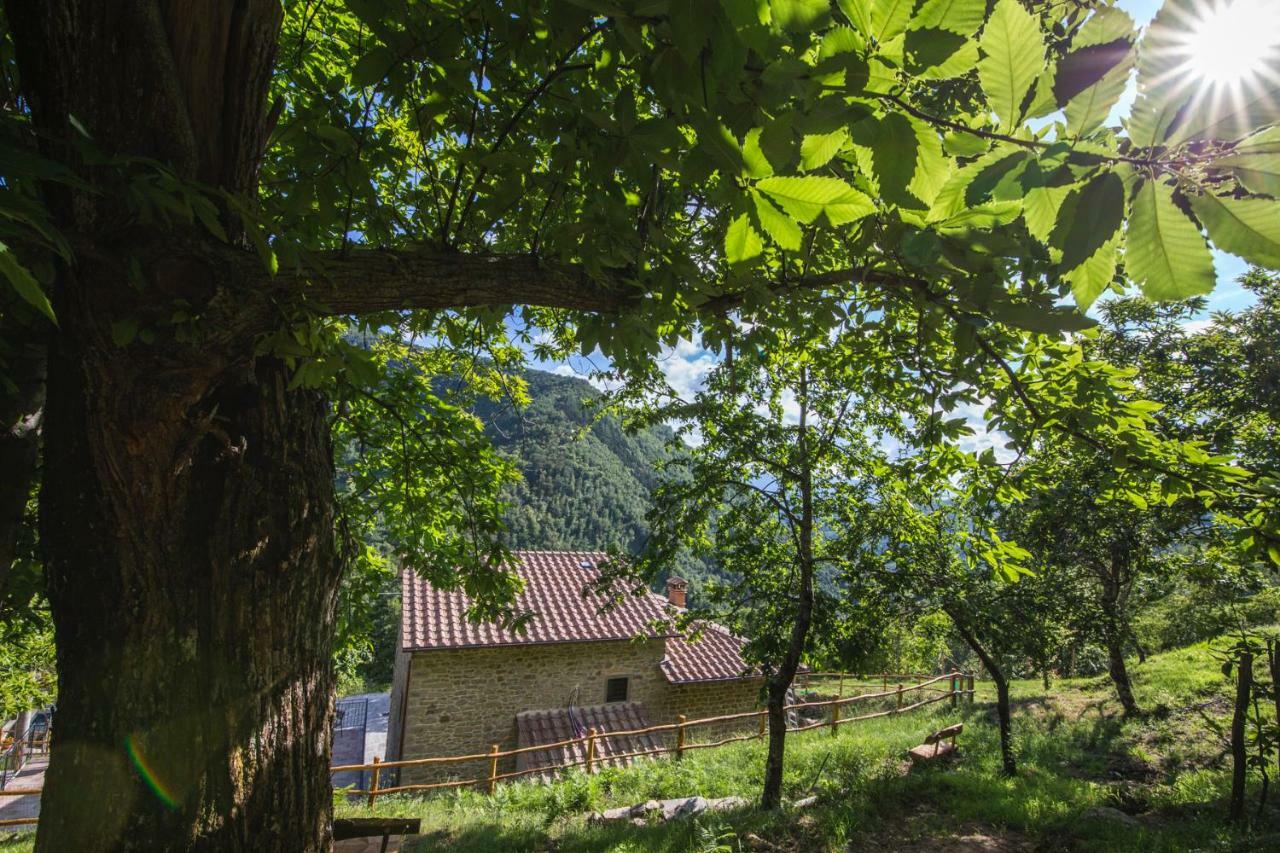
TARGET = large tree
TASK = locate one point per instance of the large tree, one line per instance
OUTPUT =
(194, 191)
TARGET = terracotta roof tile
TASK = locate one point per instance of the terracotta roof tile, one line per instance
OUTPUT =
(553, 726)
(716, 655)
(554, 583)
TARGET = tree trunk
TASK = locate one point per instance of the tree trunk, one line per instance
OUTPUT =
(1004, 713)
(1114, 633)
(771, 798)
(1239, 755)
(780, 682)
(186, 521)
(186, 500)
(1120, 675)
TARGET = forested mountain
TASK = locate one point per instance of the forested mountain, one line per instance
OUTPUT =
(586, 482)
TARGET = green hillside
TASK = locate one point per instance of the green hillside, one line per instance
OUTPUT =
(586, 482)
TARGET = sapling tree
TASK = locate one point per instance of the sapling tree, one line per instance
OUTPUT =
(781, 491)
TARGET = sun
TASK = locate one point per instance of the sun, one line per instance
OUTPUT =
(1232, 42)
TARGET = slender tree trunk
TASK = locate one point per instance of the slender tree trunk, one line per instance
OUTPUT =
(1239, 754)
(1273, 664)
(1114, 633)
(1004, 712)
(780, 682)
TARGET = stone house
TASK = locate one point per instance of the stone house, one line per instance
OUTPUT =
(459, 687)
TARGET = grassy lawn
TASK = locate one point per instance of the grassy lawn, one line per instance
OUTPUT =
(1167, 771)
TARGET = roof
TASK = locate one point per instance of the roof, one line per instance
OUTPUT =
(555, 725)
(565, 610)
(716, 655)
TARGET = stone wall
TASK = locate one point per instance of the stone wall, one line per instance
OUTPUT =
(704, 699)
(399, 683)
(459, 702)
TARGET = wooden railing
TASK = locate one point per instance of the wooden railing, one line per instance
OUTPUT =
(958, 685)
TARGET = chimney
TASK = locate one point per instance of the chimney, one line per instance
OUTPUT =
(675, 590)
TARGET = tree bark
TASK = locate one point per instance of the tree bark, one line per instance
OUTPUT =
(1114, 631)
(187, 528)
(1239, 754)
(1004, 712)
(780, 681)
(186, 503)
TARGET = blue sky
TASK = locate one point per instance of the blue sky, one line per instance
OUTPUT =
(687, 365)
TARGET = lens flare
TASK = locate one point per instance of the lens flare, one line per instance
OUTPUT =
(1232, 42)
(148, 773)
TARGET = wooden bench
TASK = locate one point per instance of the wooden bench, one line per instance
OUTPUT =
(372, 827)
(934, 746)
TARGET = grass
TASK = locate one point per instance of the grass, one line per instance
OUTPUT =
(1168, 770)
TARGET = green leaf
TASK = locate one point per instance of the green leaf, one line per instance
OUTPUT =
(24, 283)
(909, 164)
(1164, 251)
(1248, 227)
(1040, 319)
(859, 14)
(1164, 84)
(1230, 116)
(372, 67)
(1040, 209)
(1255, 161)
(889, 19)
(777, 224)
(742, 243)
(1094, 274)
(809, 197)
(1013, 47)
(816, 150)
(974, 183)
(939, 54)
(983, 216)
(756, 164)
(718, 142)
(799, 15)
(124, 331)
(962, 17)
(1091, 78)
(1095, 216)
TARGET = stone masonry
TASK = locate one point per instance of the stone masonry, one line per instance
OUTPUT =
(461, 701)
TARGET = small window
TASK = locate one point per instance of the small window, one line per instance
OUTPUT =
(615, 690)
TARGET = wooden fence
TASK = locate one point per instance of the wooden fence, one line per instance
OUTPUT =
(959, 684)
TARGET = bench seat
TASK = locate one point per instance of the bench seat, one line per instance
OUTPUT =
(928, 752)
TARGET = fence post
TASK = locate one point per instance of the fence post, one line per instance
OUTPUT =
(493, 768)
(373, 787)
(591, 748)
(764, 715)
(679, 736)
(840, 691)
(884, 681)
(970, 680)
(899, 697)
(835, 717)
(955, 689)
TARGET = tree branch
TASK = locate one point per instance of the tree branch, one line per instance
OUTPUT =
(371, 280)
